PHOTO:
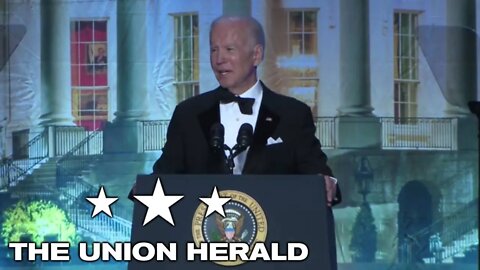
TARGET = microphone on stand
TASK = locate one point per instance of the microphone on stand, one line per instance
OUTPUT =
(217, 136)
(244, 139)
(217, 142)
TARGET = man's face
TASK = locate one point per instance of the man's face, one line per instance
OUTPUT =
(234, 56)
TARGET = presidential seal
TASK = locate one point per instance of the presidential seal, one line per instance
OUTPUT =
(244, 222)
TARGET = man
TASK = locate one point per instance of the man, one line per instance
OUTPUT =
(284, 139)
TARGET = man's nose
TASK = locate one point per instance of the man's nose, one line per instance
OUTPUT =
(219, 57)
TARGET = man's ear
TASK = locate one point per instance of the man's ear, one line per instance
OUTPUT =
(257, 54)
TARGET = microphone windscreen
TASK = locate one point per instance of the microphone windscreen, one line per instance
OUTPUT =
(245, 135)
(217, 134)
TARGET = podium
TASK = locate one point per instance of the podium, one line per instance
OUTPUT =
(280, 208)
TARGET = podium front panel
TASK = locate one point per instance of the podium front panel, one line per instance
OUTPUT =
(294, 207)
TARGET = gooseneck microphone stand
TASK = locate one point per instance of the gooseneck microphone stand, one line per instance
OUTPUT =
(233, 152)
(244, 139)
(229, 159)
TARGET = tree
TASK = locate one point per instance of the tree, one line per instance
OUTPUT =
(36, 220)
(364, 236)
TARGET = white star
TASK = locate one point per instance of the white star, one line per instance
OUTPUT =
(102, 203)
(215, 203)
(158, 204)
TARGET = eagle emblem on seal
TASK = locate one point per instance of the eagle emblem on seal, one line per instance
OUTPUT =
(231, 226)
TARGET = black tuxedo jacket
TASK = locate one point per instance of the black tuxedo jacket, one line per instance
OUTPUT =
(187, 148)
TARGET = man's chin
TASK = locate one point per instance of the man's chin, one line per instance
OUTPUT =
(224, 84)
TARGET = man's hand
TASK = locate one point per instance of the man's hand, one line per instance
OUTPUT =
(331, 189)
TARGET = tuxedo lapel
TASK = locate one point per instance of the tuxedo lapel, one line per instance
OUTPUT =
(215, 159)
(210, 116)
(267, 122)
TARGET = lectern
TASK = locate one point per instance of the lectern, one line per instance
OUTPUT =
(273, 209)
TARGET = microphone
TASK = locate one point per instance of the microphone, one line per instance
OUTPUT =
(217, 142)
(244, 137)
(217, 134)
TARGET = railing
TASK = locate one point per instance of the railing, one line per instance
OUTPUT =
(154, 134)
(15, 167)
(419, 133)
(397, 134)
(68, 137)
(78, 159)
(460, 246)
(75, 186)
(113, 229)
(71, 189)
(325, 131)
(462, 221)
(79, 211)
(450, 229)
(457, 225)
(70, 169)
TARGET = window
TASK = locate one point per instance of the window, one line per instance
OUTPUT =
(186, 55)
(302, 50)
(405, 67)
(89, 49)
(302, 32)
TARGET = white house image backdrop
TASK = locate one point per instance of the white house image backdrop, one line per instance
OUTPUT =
(88, 88)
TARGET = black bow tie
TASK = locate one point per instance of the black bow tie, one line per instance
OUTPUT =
(245, 104)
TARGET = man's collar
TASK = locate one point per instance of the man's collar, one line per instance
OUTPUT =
(254, 92)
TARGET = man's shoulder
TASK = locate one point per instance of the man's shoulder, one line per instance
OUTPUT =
(285, 102)
(199, 102)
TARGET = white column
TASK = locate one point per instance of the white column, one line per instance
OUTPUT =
(355, 108)
(132, 92)
(461, 75)
(56, 97)
(132, 89)
(354, 60)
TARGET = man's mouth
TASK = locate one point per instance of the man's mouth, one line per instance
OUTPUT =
(223, 72)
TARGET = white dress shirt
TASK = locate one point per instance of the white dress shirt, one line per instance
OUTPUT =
(231, 118)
